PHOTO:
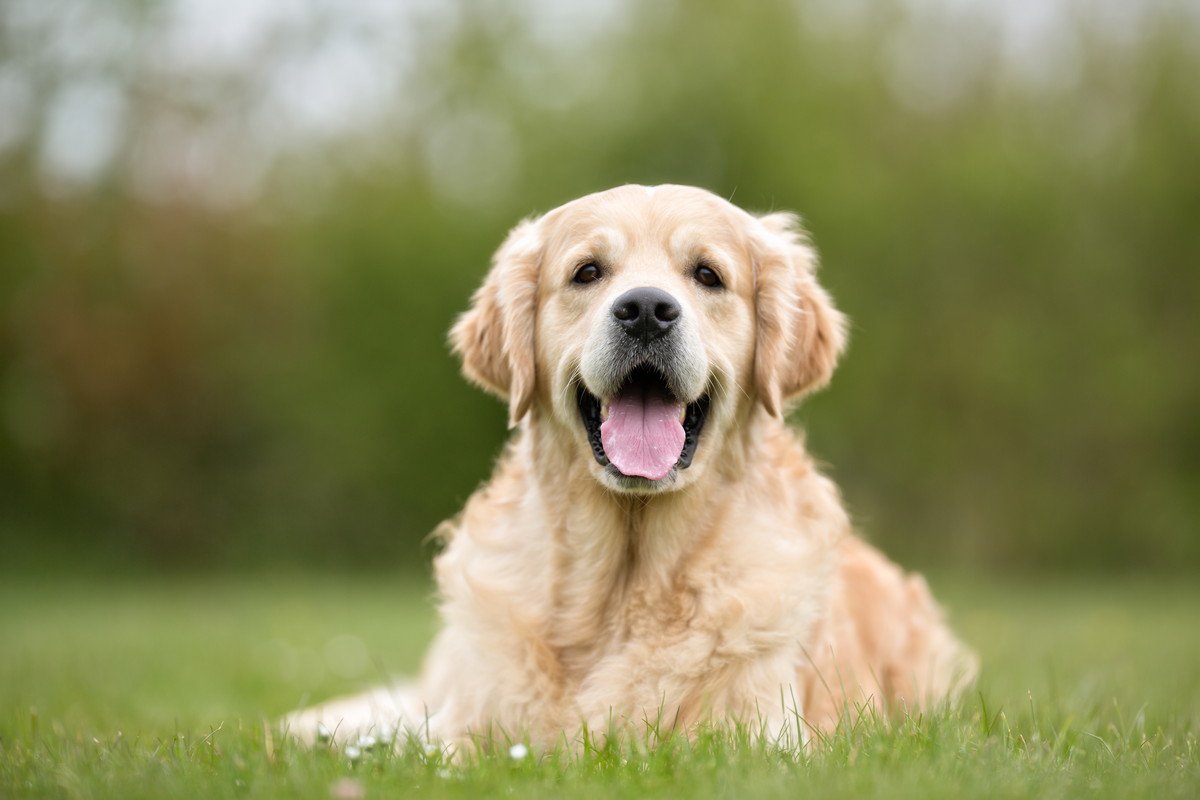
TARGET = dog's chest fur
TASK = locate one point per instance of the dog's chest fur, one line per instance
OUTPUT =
(592, 603)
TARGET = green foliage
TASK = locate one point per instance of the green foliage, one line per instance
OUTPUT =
(269, 382)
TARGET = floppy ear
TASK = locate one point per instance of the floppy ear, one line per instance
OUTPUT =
(800, 334)
(494, 337)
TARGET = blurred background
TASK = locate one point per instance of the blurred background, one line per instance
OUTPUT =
(233, 235)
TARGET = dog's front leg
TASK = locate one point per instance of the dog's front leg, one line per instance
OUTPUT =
(692, 683)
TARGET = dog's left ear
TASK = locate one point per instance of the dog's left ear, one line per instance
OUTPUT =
(495, 336)
(800, 334)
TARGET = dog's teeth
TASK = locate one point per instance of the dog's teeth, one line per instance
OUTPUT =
(603, 412)
(682, 413)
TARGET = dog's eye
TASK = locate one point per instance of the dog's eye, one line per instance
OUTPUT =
(588, 273)
(706, 276)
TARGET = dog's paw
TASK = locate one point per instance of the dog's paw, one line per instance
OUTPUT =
(384, 715)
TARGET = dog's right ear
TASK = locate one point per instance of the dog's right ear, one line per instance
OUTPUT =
(494, 337)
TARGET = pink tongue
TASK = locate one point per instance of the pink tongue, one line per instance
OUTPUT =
(642, 435)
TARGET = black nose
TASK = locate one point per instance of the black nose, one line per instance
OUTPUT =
(646, 313)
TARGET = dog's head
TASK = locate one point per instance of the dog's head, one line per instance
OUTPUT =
(647, 323)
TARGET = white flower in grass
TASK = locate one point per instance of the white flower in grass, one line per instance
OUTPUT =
(366, 742)
(353, 753)
(518, 752)
(323, 733)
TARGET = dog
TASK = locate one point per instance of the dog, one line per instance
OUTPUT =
(655, 546)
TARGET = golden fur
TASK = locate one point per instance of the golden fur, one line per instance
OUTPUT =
(736, 589)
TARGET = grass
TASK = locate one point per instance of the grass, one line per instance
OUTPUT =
(136, 688)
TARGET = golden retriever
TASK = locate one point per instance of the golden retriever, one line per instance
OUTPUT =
(656, 546)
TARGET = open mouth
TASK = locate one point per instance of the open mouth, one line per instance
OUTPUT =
(643, 431)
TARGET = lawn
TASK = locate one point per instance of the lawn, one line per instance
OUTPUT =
(160, 688)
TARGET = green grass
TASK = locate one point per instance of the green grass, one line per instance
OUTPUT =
(138, 688)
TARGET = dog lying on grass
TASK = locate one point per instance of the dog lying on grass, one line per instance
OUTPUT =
(655, 545)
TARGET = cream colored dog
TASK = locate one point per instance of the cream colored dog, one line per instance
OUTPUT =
(656, 545)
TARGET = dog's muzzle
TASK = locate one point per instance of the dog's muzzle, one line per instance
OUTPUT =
(641, 394)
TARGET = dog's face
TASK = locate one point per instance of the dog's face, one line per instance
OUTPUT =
(646, 324)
